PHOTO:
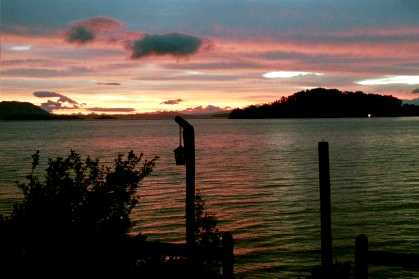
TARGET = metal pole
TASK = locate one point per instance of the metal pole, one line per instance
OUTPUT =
(189, 142)
(325, 207)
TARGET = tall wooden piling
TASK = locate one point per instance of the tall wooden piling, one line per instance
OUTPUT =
(361, 257)
(325, 207)
(189, 141)
(228, 255)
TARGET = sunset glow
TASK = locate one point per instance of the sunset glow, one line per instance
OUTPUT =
(209, 138)
(116, 60)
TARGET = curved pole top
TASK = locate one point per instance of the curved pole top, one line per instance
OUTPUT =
(183, 123)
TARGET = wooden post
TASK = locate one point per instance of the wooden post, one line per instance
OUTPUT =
(325, 208)
(189, 141)
(228, 255)
(361, 257)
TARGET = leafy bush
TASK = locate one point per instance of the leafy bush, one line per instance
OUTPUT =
(75, 218)
(206, 230)
(208, 241)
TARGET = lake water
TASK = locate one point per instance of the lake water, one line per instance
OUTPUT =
(260, 178)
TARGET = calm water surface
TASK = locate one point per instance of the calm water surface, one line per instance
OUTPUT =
(259, 177)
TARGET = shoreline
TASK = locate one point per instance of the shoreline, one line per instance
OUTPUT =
(205, 117)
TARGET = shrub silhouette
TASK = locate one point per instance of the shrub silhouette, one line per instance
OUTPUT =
(206, 231)
(75, 219)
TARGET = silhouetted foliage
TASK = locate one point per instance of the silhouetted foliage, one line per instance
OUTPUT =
(75, 219)
(207, 233)
(320, 102)
(208, 238)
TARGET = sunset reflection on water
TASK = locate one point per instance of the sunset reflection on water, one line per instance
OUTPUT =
(259, 177)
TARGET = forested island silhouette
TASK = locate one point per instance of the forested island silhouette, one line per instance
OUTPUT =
(325, 103)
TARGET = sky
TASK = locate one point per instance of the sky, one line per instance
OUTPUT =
(127, 56)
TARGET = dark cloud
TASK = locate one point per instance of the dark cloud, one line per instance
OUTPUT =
(103, 29)
(85, 31)
(98, 109)
(108, 83)
(168, 44)
(46, 94)
(80, 34)
(172, 102)
(63, 102)
(416, 91)
(50, 94)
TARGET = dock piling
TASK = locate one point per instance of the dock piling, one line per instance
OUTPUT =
(361, 257)
(325, 207)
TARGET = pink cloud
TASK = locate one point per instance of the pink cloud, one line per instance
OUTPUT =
(113, 110)
(205, 109)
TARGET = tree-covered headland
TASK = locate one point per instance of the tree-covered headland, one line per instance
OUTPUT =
(321, 102)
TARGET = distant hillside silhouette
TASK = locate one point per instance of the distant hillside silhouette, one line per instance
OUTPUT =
(22, 111)
(412, 102)
(12, 110)
(321, 102)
